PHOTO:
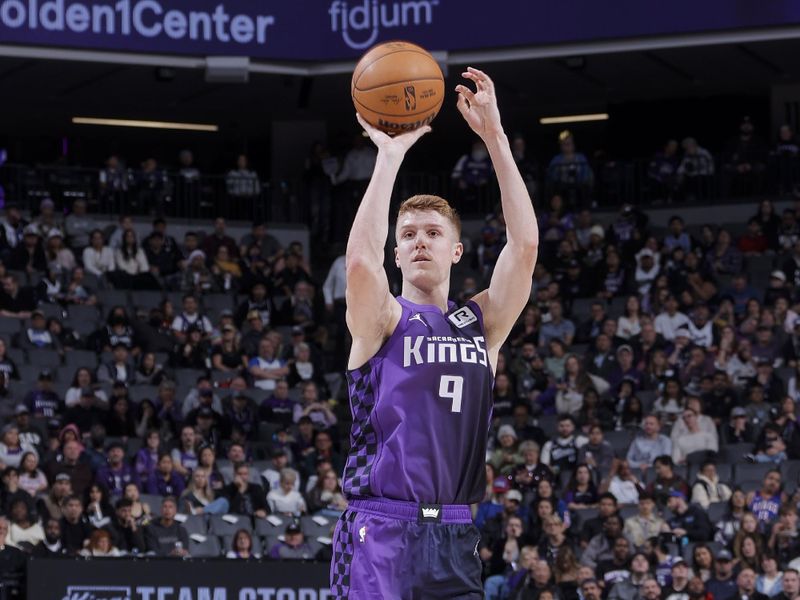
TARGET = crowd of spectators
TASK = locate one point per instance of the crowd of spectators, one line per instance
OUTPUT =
(184, 397)
(646, 437)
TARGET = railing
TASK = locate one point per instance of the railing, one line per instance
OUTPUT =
(325, 208)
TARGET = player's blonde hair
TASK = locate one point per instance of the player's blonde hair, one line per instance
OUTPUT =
(434, 203)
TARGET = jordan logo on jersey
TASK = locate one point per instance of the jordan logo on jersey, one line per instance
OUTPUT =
(463, 317)
(417, 317)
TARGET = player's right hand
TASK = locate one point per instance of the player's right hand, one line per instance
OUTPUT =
(396, 146)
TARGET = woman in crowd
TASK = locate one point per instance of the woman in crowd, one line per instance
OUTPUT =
(97, 506)
(148, 371)
(98, 259)
(326, 497)
(82, 379)
(100, 545)
(31, 477)
(12, 448)
(581, 492)
(132, 271)
(242, 546)
(629, 324)
(139, 510)
(207, 458)
(199, 498)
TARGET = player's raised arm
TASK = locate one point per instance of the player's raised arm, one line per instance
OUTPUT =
(510, 287)
(369, 302)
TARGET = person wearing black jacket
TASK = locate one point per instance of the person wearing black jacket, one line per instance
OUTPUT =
(165, 536)
(746, 584)
(12, 560)
(689, 521)
(50, 546)
(245, 498)
(125, 534)
(75, 527)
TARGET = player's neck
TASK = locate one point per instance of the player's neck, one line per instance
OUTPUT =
(436, 296)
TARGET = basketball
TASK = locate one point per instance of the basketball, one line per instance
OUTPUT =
(397, 87)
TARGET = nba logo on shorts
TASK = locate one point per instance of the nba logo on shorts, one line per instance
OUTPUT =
(411, 97)
(463, 317)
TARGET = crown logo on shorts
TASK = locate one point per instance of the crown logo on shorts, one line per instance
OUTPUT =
(430, 513)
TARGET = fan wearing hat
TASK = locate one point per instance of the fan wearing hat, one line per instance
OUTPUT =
(293, 546)
(777, 288)
(722, 583)
(57, 253)
(36, 335)
(42, 400)
(688, 521)
(506, 456)
(29, 254)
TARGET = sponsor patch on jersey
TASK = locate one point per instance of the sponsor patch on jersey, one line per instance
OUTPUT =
(463, 317)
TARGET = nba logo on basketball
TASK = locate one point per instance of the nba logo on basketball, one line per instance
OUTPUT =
(411, 97)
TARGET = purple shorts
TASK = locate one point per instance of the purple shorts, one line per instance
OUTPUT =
(389, 549)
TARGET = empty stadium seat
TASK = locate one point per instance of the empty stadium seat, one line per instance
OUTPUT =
(209, 548)
(220, 525)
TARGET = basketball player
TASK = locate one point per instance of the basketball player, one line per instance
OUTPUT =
(420, 377)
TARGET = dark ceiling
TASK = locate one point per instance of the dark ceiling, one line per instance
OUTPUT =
(38, 97)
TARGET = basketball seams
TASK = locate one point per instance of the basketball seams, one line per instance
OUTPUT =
(436, 108)
(357, 73)
(400, 82)
(410, 70)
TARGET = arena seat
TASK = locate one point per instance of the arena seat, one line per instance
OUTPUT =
(209, 548)
(218, 525)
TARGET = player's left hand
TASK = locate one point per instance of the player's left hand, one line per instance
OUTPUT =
(479, 108)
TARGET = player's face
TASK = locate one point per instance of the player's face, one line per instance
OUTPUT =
(427, 246)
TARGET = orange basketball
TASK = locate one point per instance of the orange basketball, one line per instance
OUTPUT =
(397, 87)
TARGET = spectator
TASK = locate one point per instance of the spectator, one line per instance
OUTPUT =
(694, 440)
(649, 444)
(644, 525)
(31, 478)
(242, 546)
(242, 182)
(746, 586)
(722, 584)
(597, 453)
(75, 527)
(561, 453)
(50, 546)
(15, 301)
(69, 462)
(293, 546)
(199, 497)
(557, 327)
(285, 499)
(765, 502)
(666, 481)
(624, 484)
(688, 520)
(132, 269)
(165, 480)
(164, 536)
(708, 488)
(12, 560)
(695, 169)
(126, 535)
(244, 497)
(601, 546)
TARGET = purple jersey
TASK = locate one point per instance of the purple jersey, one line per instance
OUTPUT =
(421, 410)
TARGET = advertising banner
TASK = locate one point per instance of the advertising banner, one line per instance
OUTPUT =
(326, 30)
(169, 579)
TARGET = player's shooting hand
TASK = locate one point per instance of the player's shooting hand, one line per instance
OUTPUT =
(395, 146)
(479, 108)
